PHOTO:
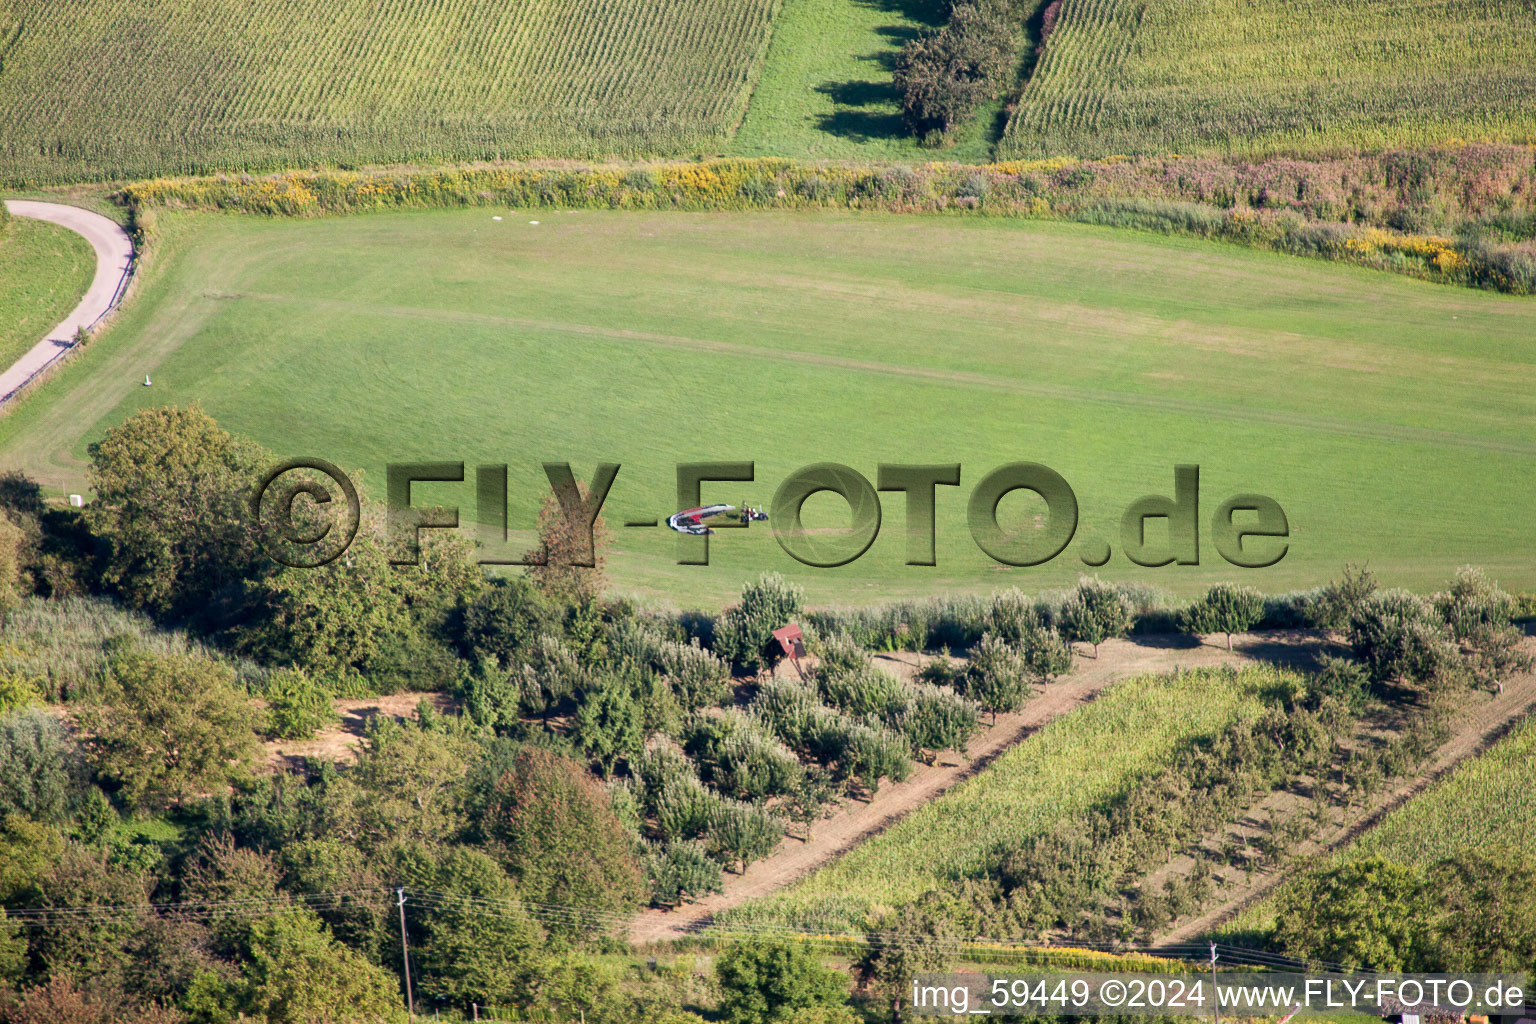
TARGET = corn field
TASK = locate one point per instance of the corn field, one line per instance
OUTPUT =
(1077, 760)
(131, 88)
(1138, 76)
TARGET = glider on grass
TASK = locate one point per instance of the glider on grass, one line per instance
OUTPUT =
(700, 521)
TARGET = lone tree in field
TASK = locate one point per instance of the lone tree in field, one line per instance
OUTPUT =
(1225, 608)
(1095, 612)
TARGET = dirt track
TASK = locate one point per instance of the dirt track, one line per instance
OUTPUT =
(856, 822)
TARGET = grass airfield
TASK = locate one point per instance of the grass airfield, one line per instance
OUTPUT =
(1392, 419)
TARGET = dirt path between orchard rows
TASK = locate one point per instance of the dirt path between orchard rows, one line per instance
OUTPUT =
(857, 821)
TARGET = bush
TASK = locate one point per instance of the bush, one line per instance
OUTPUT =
(1225, 608)
(42, 773)
(737, 756)
(996, 677)
(1400, 638)
(680, 870)
(1095, 612)
(744, 635)
(936, 720)
(298, 706)
(1337, 604)
(767, 982)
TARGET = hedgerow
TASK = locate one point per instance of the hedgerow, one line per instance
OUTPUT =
(1457, 220)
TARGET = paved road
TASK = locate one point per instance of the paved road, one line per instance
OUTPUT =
(114, 259)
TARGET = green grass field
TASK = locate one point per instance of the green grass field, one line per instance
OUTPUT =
(124, 88)
(1263, 75)
(1392, 419)
(1072, 763)
(44, 270)
(826, 93)
(1487, 804)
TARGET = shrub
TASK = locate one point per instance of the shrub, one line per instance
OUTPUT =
(996, 677)
(298, 706)
(936, 720)
(697, 678)
(680, 870)
(1338, 603)
(1095, 612)
(740, 833)
(1400, 638)
(768, 982)
(737, 756)
(1225, 608)
(745, 632)
(42, 773)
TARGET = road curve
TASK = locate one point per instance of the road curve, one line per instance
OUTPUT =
(114, 262)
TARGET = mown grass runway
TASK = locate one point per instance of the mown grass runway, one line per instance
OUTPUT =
(1392, 419)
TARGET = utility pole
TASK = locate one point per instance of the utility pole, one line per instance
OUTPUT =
(405, 957)
(1215, 1004)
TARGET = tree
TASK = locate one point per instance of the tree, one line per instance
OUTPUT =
(171, 503)
(608, 727)
(945, 75)
(298, 974)
(412, 781)
(1225, 608)
(1400, 638)
(562, 843)
(936, 720)
(745, 631)
(503, 620)
(41, 769)
(995, 677)
(1367, 913)
(1095, 612)
(13, 584)
(911, 941)
(766, 982)
(171, 726)
(562, 545)
(340, 618)
(474, 942)
(298, 706)
(1488, 903)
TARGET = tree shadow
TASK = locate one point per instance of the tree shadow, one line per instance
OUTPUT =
(865, 109)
